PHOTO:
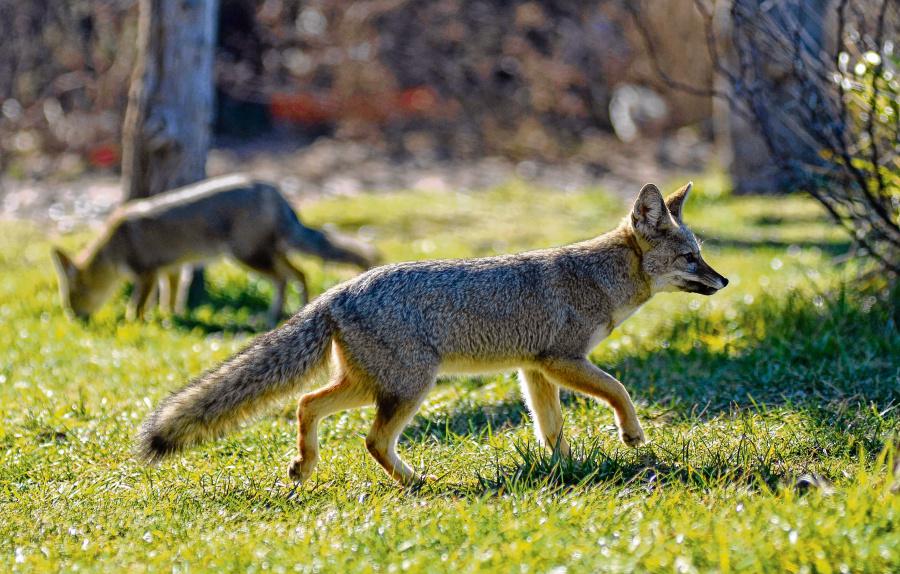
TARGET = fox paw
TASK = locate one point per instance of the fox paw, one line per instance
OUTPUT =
(633, 437)
(299, 472)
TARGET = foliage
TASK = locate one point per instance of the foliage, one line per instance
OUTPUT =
(828, 116)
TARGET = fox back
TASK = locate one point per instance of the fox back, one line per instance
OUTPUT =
(232, 215)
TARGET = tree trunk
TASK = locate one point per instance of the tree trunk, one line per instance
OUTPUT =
(170, 101)
(751, 166)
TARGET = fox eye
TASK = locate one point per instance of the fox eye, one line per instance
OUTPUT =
(688, 257)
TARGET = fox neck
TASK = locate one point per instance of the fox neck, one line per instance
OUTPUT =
(98, 269)
(636, 243)
(636, 246)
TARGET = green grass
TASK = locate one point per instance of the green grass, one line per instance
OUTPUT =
(790, 371)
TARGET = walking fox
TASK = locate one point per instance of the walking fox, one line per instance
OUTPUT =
(392, 330)
(234, 215)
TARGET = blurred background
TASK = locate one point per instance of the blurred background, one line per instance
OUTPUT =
(336, 97)
(467, 128)
(342, 96)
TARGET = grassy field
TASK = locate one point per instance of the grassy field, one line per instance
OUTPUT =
(792, 370)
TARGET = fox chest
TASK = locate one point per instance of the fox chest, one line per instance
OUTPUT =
(603, 330)
(600, 332)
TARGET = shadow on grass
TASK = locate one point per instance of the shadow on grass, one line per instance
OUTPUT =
(745, 466)
(226, 310)
(470, 418)
(797, 350)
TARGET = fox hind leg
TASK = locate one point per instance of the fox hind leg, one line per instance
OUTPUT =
(277, 307)
(542, 398)
(264, 262)
(282, 271)
(344, 392)
(392, 416)
(288, 270)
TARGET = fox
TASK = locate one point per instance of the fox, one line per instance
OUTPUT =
(156, 239)
(387, 334)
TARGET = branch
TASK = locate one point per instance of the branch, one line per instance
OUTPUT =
(634, 11)
(873, 101)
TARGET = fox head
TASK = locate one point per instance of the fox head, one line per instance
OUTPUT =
(80, 291)
(671, 254)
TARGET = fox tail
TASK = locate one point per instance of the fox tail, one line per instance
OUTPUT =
(273, 365)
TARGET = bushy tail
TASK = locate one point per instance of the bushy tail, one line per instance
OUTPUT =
(330, 247)
(273, 365)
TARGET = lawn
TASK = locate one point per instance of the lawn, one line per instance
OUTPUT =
(769, 406)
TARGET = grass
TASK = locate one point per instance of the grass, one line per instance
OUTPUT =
(791, 371)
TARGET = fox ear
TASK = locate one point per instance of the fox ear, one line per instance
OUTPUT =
(675, 202)
(64, 266)
(649, 211)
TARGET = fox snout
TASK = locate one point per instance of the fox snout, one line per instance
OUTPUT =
(708, 281)
(703, 288)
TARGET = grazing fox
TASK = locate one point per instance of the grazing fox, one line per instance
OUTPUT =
(392, 330)
(231, 215)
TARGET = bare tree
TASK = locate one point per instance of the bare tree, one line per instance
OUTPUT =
(170, 103)
(824, 98)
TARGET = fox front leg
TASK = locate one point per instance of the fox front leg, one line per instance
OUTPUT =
(169, 284)
(140, 293)
(542, 398)
(581, 375)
